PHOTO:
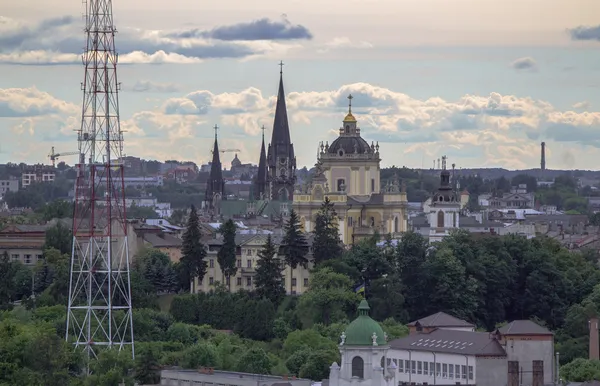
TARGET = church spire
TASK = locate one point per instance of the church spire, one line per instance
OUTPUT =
(215, 183)
(261, 177)
(281, 129)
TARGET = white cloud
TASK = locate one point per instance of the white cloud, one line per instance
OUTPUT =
(343, 42)
(584, 105)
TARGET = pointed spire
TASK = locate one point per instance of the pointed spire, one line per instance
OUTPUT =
(261, 177)
(215, 182)
(281, 129)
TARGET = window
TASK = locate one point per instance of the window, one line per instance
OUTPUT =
(358, 367)
(249, 263)
(425, 368)
(438, 368)
(239, 263)
(457, 371)
(211, 281)
(239, 281)
(451, 371)
(440, 219)
(15, 257)
(340, 185)
(395, 224)
(444, 370)
(470, 372)
(227, 280)
(400, 366)
(464, 371)
(249, 281)
(407, 366)
(372, 184)
(249, 252)
(39, 257)
(293, 281)
(306, 282)
(211, 263)
(350, 221)
(27, 259)
(419, 367)
(372, 221)
(413, 367)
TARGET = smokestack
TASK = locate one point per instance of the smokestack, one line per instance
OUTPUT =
(594, 348)
(543, 160)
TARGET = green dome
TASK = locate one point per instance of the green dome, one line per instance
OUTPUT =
(360, 331)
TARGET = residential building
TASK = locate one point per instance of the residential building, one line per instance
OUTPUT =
(348, 174)
(37, 173)
(10, 185)
(23, 243)
(517, 198)
(141, 182)
(164, 242)
(248, 247)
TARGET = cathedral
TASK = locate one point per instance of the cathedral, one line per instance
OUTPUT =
(348, 173)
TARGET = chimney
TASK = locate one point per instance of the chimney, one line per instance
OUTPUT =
(594, 348)
(543, 160)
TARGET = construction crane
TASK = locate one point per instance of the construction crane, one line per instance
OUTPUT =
(54, 156)
(230, 151)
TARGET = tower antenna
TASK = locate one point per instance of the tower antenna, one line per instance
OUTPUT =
(99, 312)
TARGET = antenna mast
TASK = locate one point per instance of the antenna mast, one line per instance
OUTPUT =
(99, 307)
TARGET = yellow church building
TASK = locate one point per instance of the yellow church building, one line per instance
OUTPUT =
(348, 173)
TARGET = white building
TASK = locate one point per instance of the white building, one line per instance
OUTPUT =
(37, 173)
(11, 185)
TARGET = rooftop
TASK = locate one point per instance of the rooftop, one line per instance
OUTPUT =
(451, 342)
(441, 319)
(524, 327)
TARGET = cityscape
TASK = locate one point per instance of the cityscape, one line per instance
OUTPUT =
(222, 239)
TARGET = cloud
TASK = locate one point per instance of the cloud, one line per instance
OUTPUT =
(583, 106)
(261, 29)
(150, 86)
(585, 33)
(60, 41)
(343, 42)
(527, 63)
(30, 102)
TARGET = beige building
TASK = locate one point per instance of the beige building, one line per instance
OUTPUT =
(348, 173)
(23, 243)
(248, 247)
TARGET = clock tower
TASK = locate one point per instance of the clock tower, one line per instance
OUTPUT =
(281, 159)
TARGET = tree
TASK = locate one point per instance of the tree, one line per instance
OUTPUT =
(57, 209)
(7, 273)
(226, 256)
(59, 237)
(192, 252)
(254, 361)
(156, 267)
(147, 368)
(268, 280)
(294, 244)
(327, 243)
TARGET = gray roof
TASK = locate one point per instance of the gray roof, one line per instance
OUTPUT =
(441, 319)
(451, 342)
(164, 240)
(524, 327)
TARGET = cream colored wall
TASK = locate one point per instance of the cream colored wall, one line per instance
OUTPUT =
(18, 254)
(360, 176)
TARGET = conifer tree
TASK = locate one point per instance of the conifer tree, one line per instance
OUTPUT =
(226, 256)
(327, 244)
(294, 244)
(192, 262)
(268, 279)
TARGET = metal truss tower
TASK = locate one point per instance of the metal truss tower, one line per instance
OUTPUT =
(100, 310)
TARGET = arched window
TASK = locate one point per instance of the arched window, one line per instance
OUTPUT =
(440, 219)
(347, 128)
(454, 219)
(283, 194)
(395, 224)
(358, 367)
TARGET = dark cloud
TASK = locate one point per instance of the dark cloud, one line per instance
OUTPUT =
(585, 33)
(564, 132)
(262, 29)
(15, 39)
(526, 63)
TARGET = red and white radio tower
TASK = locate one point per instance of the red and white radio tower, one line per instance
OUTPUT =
(99, 310)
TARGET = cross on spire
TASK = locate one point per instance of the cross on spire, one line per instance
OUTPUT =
(263, 131)
(281, 64)
(350, 97)
(216, 128)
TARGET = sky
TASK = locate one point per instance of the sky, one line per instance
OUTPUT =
(480, 81)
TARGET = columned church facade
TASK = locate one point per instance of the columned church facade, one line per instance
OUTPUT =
(348, 173)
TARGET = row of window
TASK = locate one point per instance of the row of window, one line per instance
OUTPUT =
(342, 187)
(443, 370)
(27, 258)
(211, 281)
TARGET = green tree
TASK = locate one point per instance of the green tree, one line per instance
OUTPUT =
(254, 361)
(147, 367)
(156, 267)
(59, 237)
(226, 257)
(327, 244)
(192, 262)
(329, 296)
(57, 209)
(7, 275)
(294, 244)
(268, 280)
(581, 370)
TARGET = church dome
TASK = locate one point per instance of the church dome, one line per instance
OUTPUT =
(360, 331)
(349, 145)
(236, 162)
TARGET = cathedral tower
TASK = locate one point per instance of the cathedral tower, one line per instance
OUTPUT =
(261, 185)
(215, 186)
(280, 158)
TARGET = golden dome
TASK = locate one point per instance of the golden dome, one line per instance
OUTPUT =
(350, 118)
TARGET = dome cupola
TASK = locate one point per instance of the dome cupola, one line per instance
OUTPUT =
(364, 331)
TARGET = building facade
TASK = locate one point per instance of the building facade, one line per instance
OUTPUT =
(23, 243)
(348, 174)
(11, 185)
(444, 210)
(37, 173)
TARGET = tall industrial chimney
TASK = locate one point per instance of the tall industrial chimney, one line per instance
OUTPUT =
(594, 348)
(543, 161)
